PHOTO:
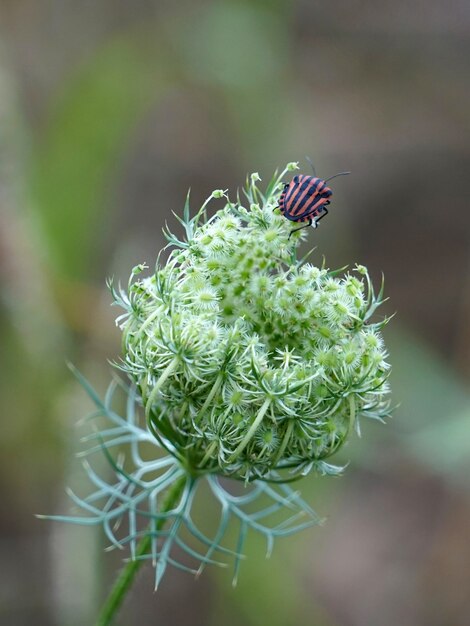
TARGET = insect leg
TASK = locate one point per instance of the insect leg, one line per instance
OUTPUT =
(309, 223)
(324, 212)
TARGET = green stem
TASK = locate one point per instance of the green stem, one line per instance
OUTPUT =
(352, 415)
(251, 431)
(126, 577)
(149, 320)
(285, 441)
(210, 397)
(351, 425)
(208, 453)
(159, 384)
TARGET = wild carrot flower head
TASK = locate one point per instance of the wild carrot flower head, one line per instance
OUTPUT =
(244, 362)
(248, 361)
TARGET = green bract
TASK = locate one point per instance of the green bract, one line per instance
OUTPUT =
(249, 363)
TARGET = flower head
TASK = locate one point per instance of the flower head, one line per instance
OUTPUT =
(243, 362)
(233, 323)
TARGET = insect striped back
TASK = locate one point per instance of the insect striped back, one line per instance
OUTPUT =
(305, 199)
(304, 196)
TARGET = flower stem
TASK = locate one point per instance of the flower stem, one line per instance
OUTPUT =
(149, 320)
(251, 431)
(285, 441)
(210, 397)
(126, 577)
(208, 453)
(159, 384)
(352, 415)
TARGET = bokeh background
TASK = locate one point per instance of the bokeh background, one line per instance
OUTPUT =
(109, 111)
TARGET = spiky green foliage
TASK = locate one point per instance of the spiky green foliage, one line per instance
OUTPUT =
(142, 473)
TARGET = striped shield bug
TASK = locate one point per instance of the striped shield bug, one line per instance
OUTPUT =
(305, 199)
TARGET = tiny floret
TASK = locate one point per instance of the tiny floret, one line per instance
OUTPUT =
(219, 193)
(291, 167)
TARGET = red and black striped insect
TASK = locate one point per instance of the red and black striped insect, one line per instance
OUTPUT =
(305, 199)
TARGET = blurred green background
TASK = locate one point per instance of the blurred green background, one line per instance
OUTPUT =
(109, 112)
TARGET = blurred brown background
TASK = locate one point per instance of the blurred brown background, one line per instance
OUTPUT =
(109, 111)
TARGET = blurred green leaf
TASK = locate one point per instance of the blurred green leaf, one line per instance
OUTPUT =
(435, 411)
(432, 423)
(248, 44)
(426, 388)
(80, 150)
(445, 447)
(248, 72)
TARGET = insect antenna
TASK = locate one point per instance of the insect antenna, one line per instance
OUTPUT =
(340, 174)
(311, 165)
